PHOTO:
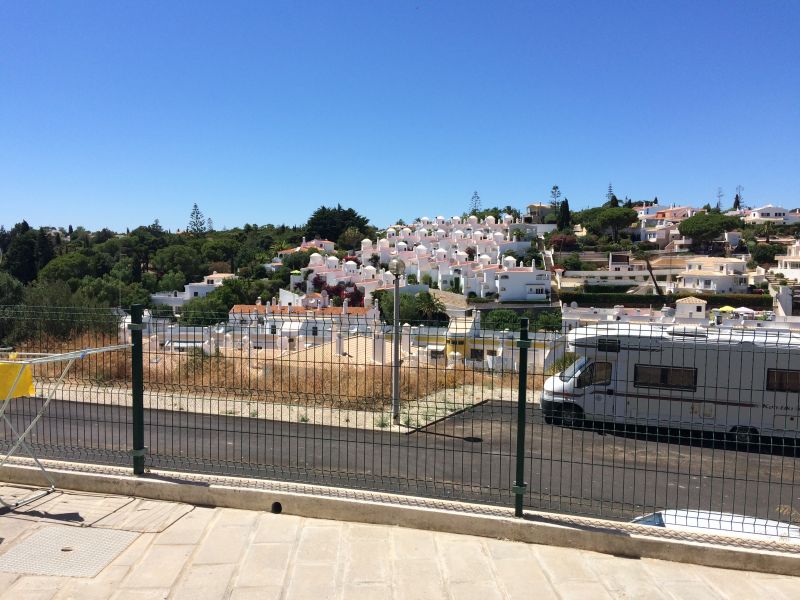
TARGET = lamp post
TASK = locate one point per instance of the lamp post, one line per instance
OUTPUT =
(396, 267)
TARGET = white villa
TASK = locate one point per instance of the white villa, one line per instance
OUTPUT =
(713, 275)
(770, 213)
(789, 263)
(191, 291)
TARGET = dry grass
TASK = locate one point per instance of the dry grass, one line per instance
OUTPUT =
(259, 375)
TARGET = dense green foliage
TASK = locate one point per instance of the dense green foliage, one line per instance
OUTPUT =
(503, 318)
(705, 227)
(75, 267)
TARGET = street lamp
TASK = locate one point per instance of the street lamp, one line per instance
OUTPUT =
(396, 267)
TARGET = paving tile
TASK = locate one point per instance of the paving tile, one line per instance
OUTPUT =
(189, 529)
(372, 591)
(12, 528)
(227, 539)
(696, 590)
(662, 570)
(313, 581)
(264, 565)
(737, 584)
(625, 577)
(145, 594)
(417, 579)
(367, 561)
(204, 581)
(135, 552)
(278, 528)
(518, 576)
(463, 559)
(37, 582)
(778, 589)
(159, 568)
(319, 544)
(583, 590)
(475, 590)
(411, 543)
(564, 564)
(501, 549)
(257, 593)
(28, 595)
(7, 579)
(365, 531)
(78, 589)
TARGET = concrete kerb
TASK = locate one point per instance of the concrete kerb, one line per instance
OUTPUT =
(386, 509)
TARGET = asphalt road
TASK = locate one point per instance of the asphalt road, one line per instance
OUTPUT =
(468, 456)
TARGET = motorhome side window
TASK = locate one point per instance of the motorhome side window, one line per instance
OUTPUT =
(679, 378)
(597, 373)
(783, 380)
(607, 345)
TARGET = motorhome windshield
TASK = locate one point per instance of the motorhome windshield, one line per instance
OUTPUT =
(571, 370)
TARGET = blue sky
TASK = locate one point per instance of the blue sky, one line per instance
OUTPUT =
(118, 113)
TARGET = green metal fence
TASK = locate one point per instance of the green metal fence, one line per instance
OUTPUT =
(613, 420)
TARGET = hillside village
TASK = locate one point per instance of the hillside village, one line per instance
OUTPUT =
(495, 262)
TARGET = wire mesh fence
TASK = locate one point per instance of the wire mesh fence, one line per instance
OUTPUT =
(695, 424)
(89, 419)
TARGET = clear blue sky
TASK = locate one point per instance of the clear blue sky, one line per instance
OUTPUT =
(118, 113)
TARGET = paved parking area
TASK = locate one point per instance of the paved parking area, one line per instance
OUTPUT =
(182, 551)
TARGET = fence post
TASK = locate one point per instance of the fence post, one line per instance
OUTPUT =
(137, 389)
(519, 484)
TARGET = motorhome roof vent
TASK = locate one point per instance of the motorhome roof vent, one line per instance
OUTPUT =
(688, 331)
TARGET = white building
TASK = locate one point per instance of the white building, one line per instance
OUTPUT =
(770, 213)
(463, 254)
(713, 276)
(191, 291)
(789, 263)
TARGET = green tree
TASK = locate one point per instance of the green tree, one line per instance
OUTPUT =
(564, 215)
(44, 249)
(429, 306)
(10, 290)
(172, 281)
(548, 321)
(555, 195)
(475, 203)
(703, 228)
(330, 223)
(221, 248)
(179, 258)
(500, 319)
(20, 260)
(350, 238)
(615, 219)
(197, 223)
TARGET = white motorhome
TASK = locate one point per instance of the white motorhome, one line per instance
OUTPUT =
(742, 383)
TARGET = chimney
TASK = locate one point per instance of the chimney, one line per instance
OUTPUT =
(289, 307)
(344, 306)
(405, 340)
(258, 301)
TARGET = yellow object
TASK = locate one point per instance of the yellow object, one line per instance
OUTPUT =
(24, 385)
(727, 309)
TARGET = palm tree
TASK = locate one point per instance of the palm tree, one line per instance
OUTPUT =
(429, 305)
(640, 254)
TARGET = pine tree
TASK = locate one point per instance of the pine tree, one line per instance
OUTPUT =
(610, 193)
(475, 203)
(737, 202)
(555, 196)
(197, 224)
(209, 224)
(44, 249)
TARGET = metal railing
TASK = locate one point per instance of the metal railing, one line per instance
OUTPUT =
(617, 420)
